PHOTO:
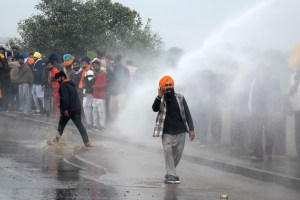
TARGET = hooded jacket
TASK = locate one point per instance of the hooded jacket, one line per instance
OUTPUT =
(69, 99)
(37, 71)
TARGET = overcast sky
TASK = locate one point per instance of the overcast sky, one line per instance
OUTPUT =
(181, 23)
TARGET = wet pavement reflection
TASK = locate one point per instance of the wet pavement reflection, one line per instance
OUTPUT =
(30, 169)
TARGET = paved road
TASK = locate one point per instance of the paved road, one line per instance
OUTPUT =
(111, 169)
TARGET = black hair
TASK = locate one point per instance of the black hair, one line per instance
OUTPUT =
(49, 61)
(18, 56)
(60, 74)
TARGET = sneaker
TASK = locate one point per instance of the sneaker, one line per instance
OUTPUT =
(170, 179)
(36, 112)
(88, 144)
(57, 138)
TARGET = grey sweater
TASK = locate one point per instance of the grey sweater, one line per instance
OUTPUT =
(25, 74)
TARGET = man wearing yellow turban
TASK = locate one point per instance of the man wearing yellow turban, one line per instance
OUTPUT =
(173, 121)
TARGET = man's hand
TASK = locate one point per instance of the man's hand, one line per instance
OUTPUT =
(161, 92)
(191, 135)
(66, 113)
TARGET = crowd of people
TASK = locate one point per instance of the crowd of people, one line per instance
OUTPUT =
(255, 110)
(29, 86)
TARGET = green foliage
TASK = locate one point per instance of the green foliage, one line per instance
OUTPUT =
(74, 26)
(13, 42)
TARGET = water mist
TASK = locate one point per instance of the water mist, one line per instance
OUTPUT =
(260, 38)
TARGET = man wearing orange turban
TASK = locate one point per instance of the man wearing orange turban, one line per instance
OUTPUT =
(173, 121)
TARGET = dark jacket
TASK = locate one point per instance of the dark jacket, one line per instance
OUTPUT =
(37, 71)
(4, 70)
(69, 99)
(118, 79)
(76, 78)
(174, 123)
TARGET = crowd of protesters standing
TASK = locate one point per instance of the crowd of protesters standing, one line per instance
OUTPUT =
(29, 87)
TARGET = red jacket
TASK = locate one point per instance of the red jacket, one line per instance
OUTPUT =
(100, 85)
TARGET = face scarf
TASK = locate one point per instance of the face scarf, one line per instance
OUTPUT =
(169, 93)
(68, 62)
(30, 60)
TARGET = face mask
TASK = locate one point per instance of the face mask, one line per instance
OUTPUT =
(30, 61)
(68, 62)
(169, 93)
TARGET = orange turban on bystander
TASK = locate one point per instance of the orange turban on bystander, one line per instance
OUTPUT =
(165, 79)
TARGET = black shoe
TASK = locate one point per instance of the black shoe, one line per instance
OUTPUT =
(170, 179)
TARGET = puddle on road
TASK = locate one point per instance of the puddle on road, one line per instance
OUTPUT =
(39, 173)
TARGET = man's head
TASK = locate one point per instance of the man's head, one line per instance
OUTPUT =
(111, 63)
(54, 57)
(49, 65)
(68, 60)
(118, 58)
(30, 59)
(60, 77)
(20, 59)
(37, 55)
(96, 64)
(85, 61)
(76, 64)
(166, 83)
(2, 50)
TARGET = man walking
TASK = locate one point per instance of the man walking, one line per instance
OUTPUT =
(172, 123)
(70, 108)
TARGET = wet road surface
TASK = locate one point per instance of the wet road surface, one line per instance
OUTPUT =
(111, 169)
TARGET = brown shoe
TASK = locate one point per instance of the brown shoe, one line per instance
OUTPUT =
(88, 144)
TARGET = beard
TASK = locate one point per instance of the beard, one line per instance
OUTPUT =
(169, 93)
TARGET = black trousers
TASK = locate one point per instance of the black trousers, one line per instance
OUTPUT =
(75, 116)
(5, 89)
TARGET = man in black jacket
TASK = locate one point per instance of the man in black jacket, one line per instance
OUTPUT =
(5, 81)
(70, 108)
(172, 123)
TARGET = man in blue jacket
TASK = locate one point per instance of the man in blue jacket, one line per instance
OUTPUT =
(37, 90)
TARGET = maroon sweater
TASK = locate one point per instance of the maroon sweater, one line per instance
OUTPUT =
(100, 85)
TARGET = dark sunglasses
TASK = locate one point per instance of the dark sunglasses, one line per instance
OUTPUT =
(166, 85)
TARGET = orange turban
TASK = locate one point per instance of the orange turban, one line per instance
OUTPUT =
(165, 79)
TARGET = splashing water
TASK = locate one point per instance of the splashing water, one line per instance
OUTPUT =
(261, 38)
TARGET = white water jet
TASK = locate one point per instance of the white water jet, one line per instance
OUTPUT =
(262, 37)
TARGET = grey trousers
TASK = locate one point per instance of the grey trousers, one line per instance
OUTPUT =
(173, 146)
(25, 98)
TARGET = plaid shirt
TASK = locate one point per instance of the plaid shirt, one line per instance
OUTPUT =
(160, 119)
